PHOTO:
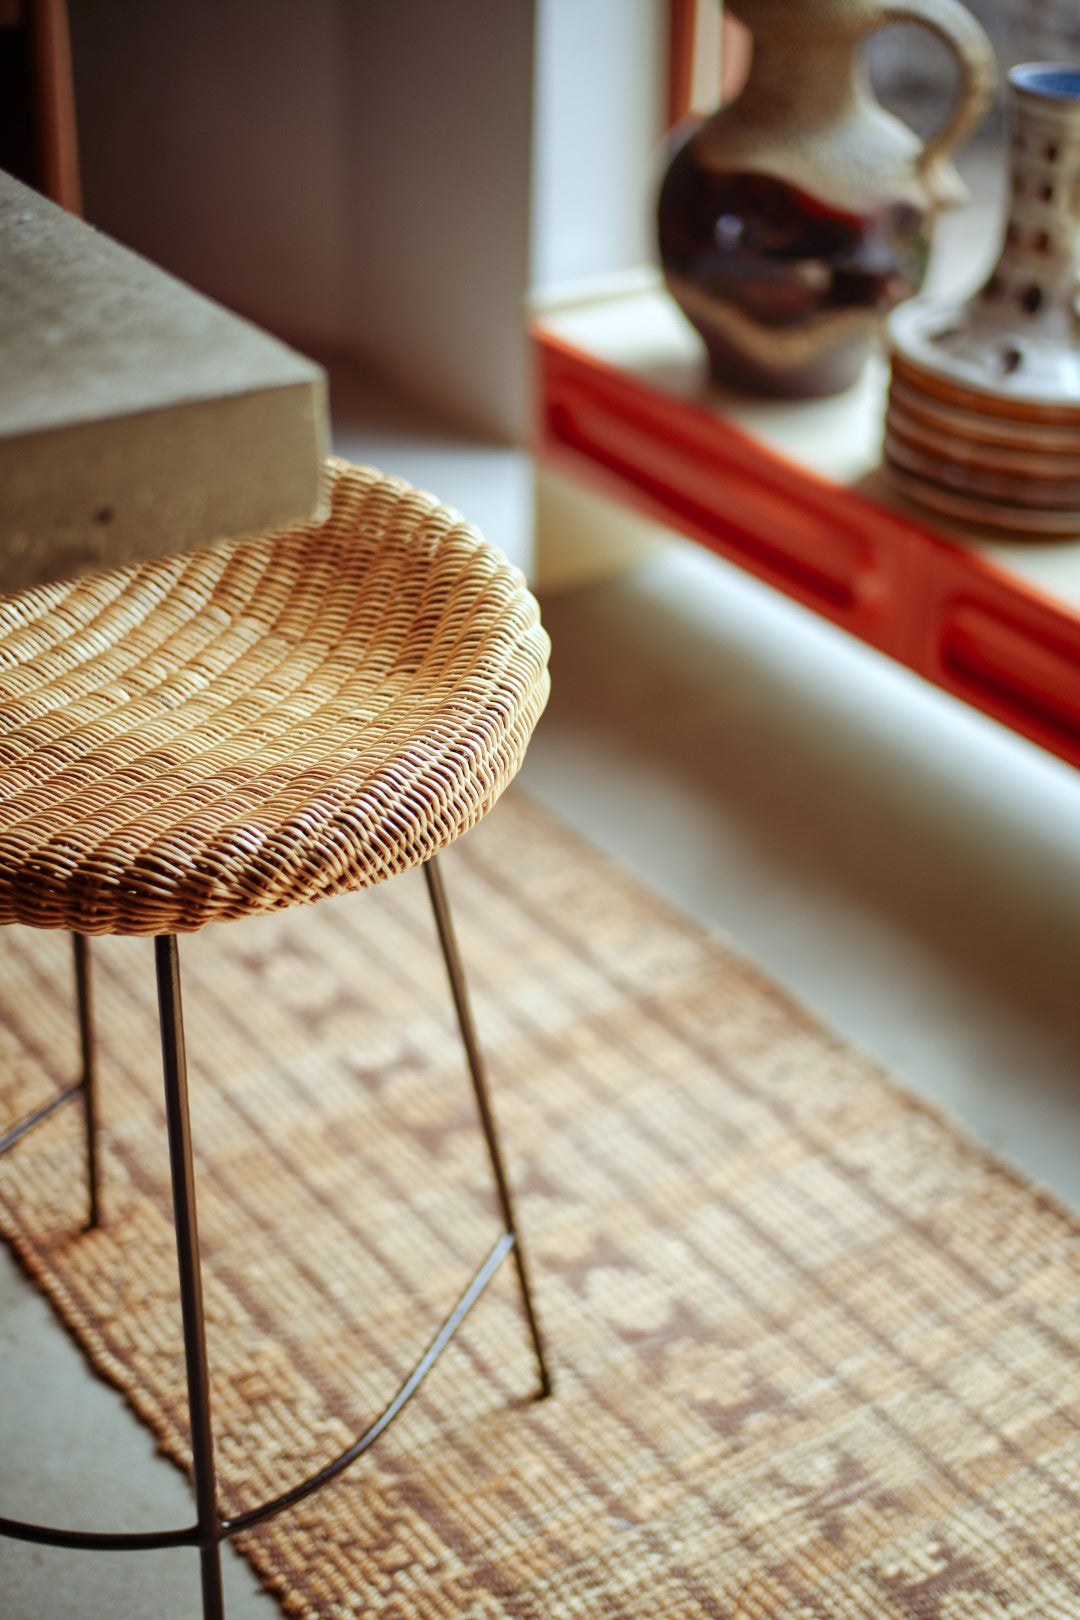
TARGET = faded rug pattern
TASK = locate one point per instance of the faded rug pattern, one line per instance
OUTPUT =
(817, 1355)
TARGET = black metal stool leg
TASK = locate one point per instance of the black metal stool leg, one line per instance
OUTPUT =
(174, 1065)
(460, 994)
(88, 1083)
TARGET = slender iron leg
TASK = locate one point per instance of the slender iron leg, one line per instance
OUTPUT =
(84, 996)
(487, 1117)
(174, 1064)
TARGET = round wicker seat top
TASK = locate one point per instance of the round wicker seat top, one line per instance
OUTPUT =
(260, 723)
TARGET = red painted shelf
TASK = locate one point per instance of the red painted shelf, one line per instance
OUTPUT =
(789, 492)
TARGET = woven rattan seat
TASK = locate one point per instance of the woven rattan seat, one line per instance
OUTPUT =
(235, 730)
(259, 724)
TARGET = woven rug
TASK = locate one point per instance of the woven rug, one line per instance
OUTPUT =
(817, 1355)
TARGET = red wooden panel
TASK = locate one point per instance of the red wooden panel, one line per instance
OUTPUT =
(966, 625)
(696, 472)
(1004, 648)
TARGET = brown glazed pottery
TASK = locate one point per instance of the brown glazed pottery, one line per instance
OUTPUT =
(794, 219)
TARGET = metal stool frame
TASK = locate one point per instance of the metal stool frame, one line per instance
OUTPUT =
(211, 1528)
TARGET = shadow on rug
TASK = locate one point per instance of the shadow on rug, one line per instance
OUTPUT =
(816, 1354)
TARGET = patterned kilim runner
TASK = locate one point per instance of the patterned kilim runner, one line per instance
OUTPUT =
(817, 1356)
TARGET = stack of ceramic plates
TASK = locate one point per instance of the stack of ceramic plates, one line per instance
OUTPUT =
(1002, 460)
(984, 412)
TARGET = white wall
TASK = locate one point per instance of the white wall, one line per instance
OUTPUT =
(599, 118)
(210, 141)
(374, 175)
(437, 131)
(349, 173)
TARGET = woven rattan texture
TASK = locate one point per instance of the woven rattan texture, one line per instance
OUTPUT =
(254, 725)
(817, 1356)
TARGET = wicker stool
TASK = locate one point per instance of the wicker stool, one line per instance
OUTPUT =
(243, 728)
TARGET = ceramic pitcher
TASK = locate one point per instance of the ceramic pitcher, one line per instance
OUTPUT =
(795, 218)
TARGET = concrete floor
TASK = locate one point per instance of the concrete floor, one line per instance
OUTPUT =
(905, 867)
(908, 868)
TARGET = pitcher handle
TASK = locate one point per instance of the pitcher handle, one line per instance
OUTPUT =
(955, 25)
